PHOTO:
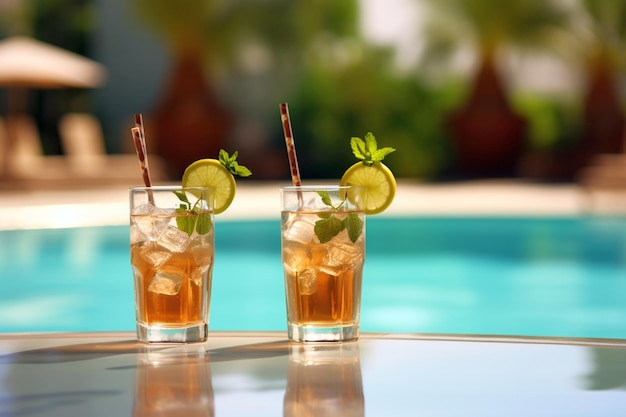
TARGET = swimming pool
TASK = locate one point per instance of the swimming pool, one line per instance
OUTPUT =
(556, 276)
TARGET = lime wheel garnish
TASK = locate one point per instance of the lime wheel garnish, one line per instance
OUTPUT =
(378, 182)
(217, 174)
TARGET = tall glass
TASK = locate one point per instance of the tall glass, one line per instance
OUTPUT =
(171, 252)
(323, 250)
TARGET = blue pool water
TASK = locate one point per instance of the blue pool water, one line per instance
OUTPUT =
(520, 276)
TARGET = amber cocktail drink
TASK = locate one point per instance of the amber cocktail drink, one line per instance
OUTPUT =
(323, 250)
(171, 251)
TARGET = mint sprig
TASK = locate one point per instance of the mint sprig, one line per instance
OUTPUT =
(330, 226)
(367, 150)
(200, 220)
(327, 228)
(231, 164)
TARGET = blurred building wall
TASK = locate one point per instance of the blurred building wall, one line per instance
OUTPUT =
(136, 62)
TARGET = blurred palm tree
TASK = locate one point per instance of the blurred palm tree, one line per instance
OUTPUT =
(604, 42)
(205, 38)
(488, 135)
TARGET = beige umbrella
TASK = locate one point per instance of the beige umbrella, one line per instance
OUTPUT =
(28, 63)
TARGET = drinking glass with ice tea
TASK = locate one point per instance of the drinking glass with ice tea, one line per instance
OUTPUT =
(172, 251)
(323, 251)
(172, 244)
(323, 241)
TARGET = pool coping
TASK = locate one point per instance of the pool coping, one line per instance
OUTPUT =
(105, 206)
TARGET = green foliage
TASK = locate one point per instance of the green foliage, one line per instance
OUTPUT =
(40, 19)
(220, 27)
(16, 18)
(333, 104)
(489, 24)
(552, 124)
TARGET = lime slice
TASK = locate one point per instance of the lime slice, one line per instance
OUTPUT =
(379, 182)
(211, 173)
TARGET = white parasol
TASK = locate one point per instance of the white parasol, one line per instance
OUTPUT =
(28, 63)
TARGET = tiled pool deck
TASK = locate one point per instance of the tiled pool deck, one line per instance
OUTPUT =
(254, 200)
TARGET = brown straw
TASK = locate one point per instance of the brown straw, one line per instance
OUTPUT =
(291, 147)
(142, 133)
(140, 147)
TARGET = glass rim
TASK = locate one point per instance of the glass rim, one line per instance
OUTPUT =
(322, 187)
(170, 188)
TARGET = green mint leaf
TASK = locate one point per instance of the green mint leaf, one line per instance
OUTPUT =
(358, 147)
(370, 146)
(182, 197)
(329, 226)
(203, 225)
(354, 225)
(326, 229)
(243, 171)
(380, 154)
(325, 198)
(223, 157)
(185, 223)
(231, 164)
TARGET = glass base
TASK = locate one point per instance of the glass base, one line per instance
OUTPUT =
(155, 334)
(339, 333)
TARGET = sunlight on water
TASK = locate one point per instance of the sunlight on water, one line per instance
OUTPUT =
(31, 312)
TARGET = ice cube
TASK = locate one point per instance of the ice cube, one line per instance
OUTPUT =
(319, 254)
(300, 230)
(307, 281)
(331, 270)
(166, 282)
(136, 235)
(154, 254)
(319, 258)
(203, 255)
(174, 239)
(150, 220)
(296, 258)
(145, 209)
(198, 274)
(343, 256)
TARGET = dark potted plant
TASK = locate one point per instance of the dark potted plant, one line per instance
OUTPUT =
(488, 134)
(189, 121)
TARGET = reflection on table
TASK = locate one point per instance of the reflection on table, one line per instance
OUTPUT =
(324, 381)
(173, 384)
(263, 374)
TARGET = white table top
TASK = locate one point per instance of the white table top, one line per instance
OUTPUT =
(262, 374)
